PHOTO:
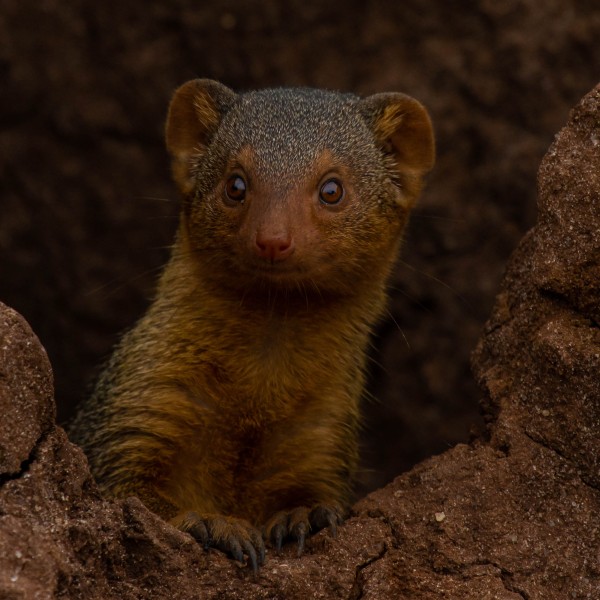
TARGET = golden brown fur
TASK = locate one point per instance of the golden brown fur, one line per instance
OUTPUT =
(233, 404)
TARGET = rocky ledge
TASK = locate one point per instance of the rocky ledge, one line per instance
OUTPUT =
(512, 515)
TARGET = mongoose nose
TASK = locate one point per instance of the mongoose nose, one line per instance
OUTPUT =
(273, 247)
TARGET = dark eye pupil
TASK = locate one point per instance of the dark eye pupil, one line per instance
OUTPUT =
(235, 188)
(331, 191)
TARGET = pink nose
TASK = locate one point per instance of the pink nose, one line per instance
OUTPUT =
(273, 247)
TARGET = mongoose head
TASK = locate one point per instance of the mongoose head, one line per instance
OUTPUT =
(297, 188)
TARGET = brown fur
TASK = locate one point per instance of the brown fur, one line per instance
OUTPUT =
(237, 394)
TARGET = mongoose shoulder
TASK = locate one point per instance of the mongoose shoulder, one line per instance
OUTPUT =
(232, 407)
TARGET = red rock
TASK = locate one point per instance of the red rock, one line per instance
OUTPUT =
(27, 406)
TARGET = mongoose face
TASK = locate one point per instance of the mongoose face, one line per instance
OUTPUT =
(295, 188)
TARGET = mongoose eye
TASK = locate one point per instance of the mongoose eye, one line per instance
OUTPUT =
(331, 192)
(235, 188)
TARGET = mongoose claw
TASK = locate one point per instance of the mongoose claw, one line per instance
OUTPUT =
(277, 534)
(233, 536)
(324, 515)
(300, 535)
(297, 523)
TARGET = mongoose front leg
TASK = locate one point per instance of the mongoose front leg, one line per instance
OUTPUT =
(231, 535)
(297, 523)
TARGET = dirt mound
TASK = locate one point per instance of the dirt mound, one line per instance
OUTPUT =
(510, 516)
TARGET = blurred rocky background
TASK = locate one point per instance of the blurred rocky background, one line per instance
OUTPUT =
(87, 208)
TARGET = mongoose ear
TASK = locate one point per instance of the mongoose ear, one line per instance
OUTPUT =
(403, 130)
(195, 112)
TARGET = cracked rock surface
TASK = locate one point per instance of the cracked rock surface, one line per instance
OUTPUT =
(511, 516)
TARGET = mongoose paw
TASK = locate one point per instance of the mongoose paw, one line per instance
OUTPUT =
(297, 523)
(233, 536)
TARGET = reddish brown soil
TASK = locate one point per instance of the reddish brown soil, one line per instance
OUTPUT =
(511, 516)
